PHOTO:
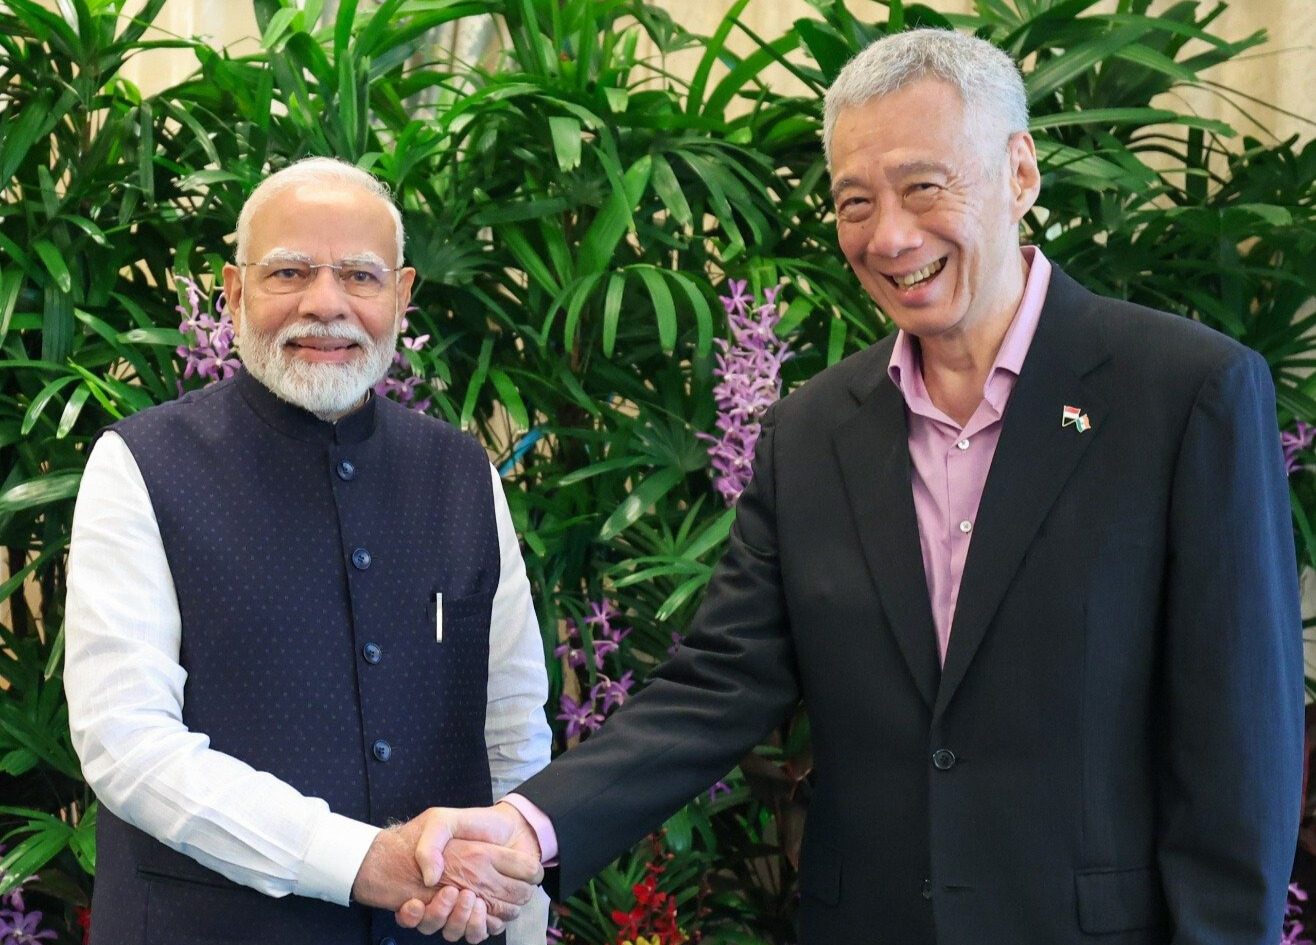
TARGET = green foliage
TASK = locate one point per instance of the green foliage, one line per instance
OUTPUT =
(570, 207)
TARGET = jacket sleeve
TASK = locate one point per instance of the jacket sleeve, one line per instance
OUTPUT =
(1233, 673)
(732, 679)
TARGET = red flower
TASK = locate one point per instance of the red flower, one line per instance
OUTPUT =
(83, 916)
(654, 913)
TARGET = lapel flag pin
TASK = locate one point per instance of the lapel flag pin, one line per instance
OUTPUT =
(1075, 417)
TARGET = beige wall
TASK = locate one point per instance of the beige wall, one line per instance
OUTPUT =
(1282, 72)
(223, 23)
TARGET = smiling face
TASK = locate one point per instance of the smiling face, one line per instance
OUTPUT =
(928, 210)
(319, 347)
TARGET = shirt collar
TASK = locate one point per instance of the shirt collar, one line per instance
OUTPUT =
(905, 367)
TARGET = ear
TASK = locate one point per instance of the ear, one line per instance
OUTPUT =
(233, 294)
(1025, 178)
(406, 279)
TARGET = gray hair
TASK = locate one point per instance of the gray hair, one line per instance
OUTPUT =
(987, 79)
(315, 170)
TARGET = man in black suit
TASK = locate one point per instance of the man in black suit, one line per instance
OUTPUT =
(1028, 562)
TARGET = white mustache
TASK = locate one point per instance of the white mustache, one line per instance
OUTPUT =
(319, 330)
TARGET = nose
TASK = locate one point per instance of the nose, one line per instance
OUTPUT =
(325, 297)
(895, 231)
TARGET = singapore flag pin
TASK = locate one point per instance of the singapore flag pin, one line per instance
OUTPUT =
(1075, 417)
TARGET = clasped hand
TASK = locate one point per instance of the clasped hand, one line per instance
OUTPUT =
(466, 873)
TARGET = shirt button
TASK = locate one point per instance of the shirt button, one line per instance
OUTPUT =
(965, 526)
(943, 759)
(361, 559)
(388, 941)
(372, 653)
(927, 889)
(346, 471)
(382, 750)
(962, 444)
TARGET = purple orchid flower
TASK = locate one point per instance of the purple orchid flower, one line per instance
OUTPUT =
(581, 717)
(1294, 443)
(18, 925)
(1293, 927)
(401, 383)
(749, 382)
(571, 648)
(737, 303)
(207, 350)
(720, 787)
(608, 694)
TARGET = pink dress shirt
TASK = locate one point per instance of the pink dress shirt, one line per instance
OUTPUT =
(950, 465)
(949, 462)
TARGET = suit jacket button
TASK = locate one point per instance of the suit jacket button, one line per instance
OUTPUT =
(361, 559)
(372, 653)
(382, 749)
(943, 759)
(927, 889)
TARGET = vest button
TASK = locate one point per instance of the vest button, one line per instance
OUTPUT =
(943, 759)
(346, 471)
(382, 750)
(927, 889)
(372, 653)
(361, 559)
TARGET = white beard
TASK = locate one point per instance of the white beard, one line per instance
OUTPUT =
(327, 390)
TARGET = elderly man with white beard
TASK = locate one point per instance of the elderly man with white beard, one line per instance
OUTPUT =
(298, 618)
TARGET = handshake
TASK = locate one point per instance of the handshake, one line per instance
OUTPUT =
(463, 872)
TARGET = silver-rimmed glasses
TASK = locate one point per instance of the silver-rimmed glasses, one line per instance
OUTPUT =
(360, 279)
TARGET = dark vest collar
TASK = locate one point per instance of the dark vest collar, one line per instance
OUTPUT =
(301, 424)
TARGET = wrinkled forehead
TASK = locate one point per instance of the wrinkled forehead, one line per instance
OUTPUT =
(921, 123)
(320, 222)
(924, 113)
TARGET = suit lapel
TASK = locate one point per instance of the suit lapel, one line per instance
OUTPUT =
(1034, 458)
(872, 446)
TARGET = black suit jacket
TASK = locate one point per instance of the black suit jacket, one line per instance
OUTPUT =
(1111, 752)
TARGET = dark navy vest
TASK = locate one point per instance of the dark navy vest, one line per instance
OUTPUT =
(306, 558)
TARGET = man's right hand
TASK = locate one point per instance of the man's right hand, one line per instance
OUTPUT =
(442, 849)
(494, 880)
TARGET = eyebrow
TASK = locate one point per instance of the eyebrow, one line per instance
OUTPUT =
(842, 184)
(363, 259)
(279, 254)
(921, 167)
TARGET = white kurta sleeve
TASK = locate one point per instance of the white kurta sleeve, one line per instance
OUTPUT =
(516, 730)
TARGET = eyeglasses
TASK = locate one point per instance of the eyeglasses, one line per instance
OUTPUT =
(290, 276)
